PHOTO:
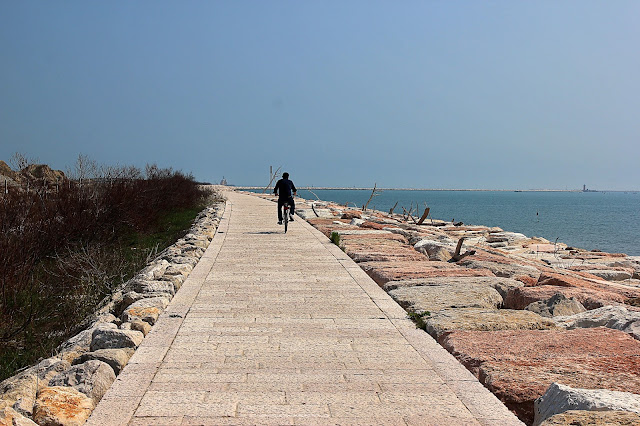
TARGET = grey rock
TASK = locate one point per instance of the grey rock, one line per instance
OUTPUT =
(114, 339)
(10, 417)
(176, 280)
(194, 248)
(615, 317)
(610, 275)
(153, 271)
(81, 342)
(182, 259)
(439, 238)
(141, 326)
(20, 392)
(557, 305)
(362, 232)
(499, 244)
(433, 298)
(482, 319)
(560, 398)
(115, 358)
(435, 249)
(192, 236)
(106, 317)
(310, 214)
(200, 244)
(146, 287)
(147, 310)
(93, 378)
(132, 297)
(183, 269)
(356, 221)
(506, 237)
(502, 269)
(407, 233)
(501, 285)
(48, 368)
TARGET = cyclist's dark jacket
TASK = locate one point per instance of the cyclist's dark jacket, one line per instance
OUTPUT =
(284, 188)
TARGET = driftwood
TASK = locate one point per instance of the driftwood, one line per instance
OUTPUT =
(424, 215)
(314, 194)
(457, 256)
(408, 214)
(393, 208)
(374, 193)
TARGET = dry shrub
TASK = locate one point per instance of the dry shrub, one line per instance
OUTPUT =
(63, 250)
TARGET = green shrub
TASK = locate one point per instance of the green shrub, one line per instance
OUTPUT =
(419, 319)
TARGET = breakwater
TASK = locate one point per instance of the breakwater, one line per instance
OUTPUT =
(65, 388)
(552, 330)
(607, 221)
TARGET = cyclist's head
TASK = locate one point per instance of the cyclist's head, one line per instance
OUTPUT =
(285, 175)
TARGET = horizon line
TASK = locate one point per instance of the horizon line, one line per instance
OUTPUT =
(307, 188)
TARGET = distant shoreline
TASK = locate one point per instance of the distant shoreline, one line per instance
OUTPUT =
(322, 188)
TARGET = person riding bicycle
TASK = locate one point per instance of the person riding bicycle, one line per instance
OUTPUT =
(283, 189)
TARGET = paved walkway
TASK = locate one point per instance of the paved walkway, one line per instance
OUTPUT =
(274, 328)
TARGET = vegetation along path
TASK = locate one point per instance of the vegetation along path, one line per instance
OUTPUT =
(274, 328)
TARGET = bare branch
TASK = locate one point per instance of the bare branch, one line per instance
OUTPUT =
(374, 193)
(314, 194)
(272, 177)
(393, 208)
(20, 161)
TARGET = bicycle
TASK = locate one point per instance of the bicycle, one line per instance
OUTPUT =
(285, 208)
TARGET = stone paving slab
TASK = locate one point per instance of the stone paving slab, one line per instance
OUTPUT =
(274, 328)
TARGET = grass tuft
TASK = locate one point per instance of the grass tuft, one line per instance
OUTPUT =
(419, 319)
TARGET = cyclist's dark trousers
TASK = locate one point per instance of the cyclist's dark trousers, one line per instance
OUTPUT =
(292, 207)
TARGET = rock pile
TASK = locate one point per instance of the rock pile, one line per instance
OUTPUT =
(34, 173)
(518, 312)
(64, 389)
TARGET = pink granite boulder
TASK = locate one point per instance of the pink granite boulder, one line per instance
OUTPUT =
(382, 247)
(518, 366)
(383, 272)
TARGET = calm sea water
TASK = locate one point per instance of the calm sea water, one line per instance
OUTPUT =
(607, 221)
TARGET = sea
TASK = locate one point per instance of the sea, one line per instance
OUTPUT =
(606, 221)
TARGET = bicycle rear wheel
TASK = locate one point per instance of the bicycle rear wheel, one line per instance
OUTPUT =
(286, 218)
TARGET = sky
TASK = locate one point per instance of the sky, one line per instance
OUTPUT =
(406, 94)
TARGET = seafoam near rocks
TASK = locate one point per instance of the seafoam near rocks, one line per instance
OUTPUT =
(67, 394)
(560, 398)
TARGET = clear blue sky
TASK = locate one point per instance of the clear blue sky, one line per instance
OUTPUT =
(429, 94)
